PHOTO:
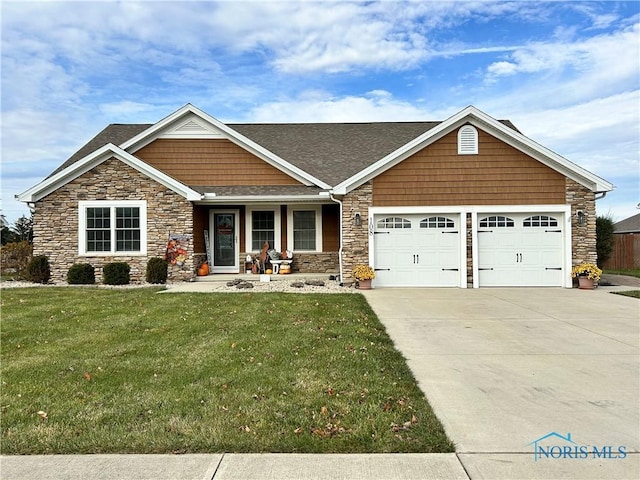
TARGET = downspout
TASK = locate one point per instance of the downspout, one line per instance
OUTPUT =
(604, 194)
(340, 249)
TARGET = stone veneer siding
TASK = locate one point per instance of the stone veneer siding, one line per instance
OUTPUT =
(355, 240)
(56, 220)
(583, 238)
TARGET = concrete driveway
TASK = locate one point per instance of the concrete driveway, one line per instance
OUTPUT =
(505, 367)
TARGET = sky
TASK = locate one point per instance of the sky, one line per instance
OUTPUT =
(566, 73)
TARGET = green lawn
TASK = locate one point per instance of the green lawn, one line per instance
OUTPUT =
(630, 272)
(629, 293)
(88, 370)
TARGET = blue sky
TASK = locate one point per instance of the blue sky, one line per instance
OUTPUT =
(566, 73)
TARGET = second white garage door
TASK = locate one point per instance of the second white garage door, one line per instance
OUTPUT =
(417, 250)
(520, 249)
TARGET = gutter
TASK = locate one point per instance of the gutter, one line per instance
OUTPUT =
(340, 249)
(604, 194)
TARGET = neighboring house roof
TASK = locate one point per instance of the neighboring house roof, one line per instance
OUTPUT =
(322, 156)
(628, 225)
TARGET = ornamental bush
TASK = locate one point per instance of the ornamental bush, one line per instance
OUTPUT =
(116, 273)
(38, 270)
(156, 270)
(81, 274)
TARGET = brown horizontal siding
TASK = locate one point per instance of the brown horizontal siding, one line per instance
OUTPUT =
(499, 174)
(330, 228)
(214, 162)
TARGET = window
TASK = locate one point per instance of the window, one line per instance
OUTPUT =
(262, 224)
(437, 222)
(304, 227)
(112, 228)
(304, 230)
(540, 221)
(262, 229)
(393, 222)
(496, 221)
(467, 140)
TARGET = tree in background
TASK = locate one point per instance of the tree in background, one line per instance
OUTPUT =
(5, 232)
(604, 238)
(21, 230)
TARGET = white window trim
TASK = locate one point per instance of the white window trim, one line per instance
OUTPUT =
(318, 210)
(112, 204)
(277, 234)
(464, 149)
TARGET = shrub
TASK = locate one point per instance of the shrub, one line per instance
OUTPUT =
(604, 238)
(116, 273)
(81, 274)
(15, 258)
(156, 270)
(38, 270)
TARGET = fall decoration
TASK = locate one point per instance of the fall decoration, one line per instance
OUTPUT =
(586, 269)
(363, 272)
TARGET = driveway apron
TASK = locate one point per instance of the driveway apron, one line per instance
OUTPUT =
(505, 367)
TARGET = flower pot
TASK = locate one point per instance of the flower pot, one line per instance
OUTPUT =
(364, 284)
(585, 283)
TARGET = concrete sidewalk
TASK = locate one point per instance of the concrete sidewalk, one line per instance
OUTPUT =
(234, 467)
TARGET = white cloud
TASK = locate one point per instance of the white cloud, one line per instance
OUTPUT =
(376, 106)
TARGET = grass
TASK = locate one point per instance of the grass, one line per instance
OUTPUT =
(630, 272)
(629, 293)
(87, 370)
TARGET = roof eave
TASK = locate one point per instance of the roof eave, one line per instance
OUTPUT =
(51, 184)
(211, 198)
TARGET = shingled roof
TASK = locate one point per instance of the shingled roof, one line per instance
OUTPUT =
(331, 152)
(628, 225)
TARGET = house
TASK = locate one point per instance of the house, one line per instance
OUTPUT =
(468, 201)
(626, 245)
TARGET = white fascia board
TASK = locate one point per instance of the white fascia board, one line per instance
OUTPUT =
(212, 198)
(483, 121)
(104, 153)
(245, 143)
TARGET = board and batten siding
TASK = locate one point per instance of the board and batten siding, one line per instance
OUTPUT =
(498, 175)
(211, 162)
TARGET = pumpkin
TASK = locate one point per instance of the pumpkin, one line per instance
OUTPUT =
(203, 270)
(269, 271)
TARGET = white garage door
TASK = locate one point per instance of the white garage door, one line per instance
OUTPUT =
(417, 250)
(520, 249)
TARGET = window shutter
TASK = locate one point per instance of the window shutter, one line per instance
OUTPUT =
(467, 140)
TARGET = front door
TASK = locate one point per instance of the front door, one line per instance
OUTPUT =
(224, 241)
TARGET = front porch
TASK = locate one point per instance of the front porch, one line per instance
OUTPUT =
(250, 277)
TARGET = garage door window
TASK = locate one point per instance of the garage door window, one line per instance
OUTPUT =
(496, 221)
(393, 222)
(437, 222)
(540, 221)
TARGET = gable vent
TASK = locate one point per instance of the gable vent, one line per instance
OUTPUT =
(467, 140)
(191, 126)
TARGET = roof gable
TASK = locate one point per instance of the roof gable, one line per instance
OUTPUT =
(191, 122)
(62, 177)
(481, 120)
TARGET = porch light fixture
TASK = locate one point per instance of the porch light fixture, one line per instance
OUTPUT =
(358, 219)
(582, 218)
